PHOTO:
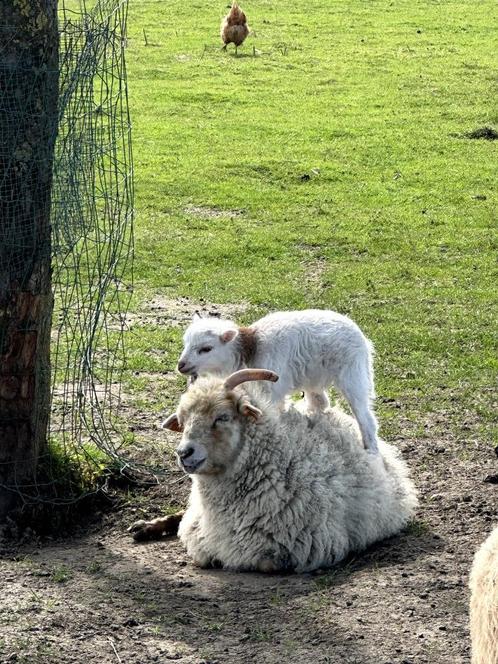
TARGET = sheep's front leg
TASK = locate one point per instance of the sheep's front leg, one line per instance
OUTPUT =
(155, 529)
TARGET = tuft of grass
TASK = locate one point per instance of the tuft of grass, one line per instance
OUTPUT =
(326, 580)
(417, 528)
(73, 471)
(61, 574)
(276, 599)
(258, 634)
(214, 626)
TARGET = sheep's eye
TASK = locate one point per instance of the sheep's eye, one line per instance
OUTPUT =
(205, 349)
(221, 418)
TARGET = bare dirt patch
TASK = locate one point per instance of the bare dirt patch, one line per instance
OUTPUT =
(314, 272)
(211, 212)
(314, 265)
(176, 312)
(100, 597)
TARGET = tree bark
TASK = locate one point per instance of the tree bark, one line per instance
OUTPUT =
(28, 127)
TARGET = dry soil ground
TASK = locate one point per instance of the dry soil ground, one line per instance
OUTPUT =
(100, 597)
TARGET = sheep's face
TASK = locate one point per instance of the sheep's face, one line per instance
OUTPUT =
(208, 347)
(211, 422)
(210, 439)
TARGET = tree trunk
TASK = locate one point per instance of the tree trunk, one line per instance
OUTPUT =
(28, 126)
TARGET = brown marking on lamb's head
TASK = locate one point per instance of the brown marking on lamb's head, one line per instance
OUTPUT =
(247, 343)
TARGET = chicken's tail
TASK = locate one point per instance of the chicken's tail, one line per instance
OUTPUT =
(236, 12)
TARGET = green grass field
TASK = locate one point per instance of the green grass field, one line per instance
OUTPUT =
(327, 166)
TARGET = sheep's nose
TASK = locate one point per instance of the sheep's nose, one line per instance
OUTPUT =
(181, 366)
(185, 453)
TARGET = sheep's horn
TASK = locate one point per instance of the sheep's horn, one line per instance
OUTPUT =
(249, 374)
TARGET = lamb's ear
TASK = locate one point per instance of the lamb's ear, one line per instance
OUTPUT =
(249, 410)
(197, 316)
(172, 423)
(229, 335)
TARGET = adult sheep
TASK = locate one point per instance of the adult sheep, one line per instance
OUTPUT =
(484, 602)
(276, 490)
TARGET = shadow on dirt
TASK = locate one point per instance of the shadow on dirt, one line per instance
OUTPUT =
(274, 617)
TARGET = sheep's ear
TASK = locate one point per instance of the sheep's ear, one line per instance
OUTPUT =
(229, 335)
(249, 410)
(197, 316)
(172, 423)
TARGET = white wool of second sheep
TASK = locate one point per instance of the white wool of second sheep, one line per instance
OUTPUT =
(484, 602)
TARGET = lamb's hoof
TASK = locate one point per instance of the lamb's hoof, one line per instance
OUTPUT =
(375, 458)
(370, 445)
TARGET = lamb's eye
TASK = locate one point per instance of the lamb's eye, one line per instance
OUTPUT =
(221, 418)
(205, 349)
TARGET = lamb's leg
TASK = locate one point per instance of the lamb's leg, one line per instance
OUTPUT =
(356, 385)
(155, 529)
(316, 402)
(367, 423)
(276, 393)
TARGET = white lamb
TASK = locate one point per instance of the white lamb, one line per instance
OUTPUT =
(484, 602)
(275, 490)
(310, 350)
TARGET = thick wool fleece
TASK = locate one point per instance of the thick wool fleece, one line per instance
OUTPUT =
(301, 493)
(484, 602)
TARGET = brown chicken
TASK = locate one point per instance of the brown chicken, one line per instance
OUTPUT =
(234, 28)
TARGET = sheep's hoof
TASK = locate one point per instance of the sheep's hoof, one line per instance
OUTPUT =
(143, 530)
(203, 563)
(155, 529)
(266, 566)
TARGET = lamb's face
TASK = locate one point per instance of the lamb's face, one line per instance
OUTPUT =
(211, 418)
(208, 347)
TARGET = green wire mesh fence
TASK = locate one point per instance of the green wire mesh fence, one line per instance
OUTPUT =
(91, 245)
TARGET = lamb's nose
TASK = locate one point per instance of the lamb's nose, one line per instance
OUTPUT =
(185, 453)
(181, 366)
